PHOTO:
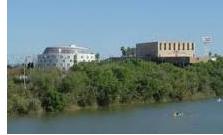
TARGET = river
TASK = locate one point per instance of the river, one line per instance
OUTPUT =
(205, 116)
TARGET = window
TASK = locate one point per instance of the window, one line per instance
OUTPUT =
(164, 46)
(188, 46)
(192, 46)
(82, 57)
(174, 46)
(68, 57)
(61, 57)
(63, 60)
(169, 46)
(178, 46)
(183, 46)
(160, 46)
(70, 60)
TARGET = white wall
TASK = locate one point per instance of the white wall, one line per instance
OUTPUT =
(63, 61)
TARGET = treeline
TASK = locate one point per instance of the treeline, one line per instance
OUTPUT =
(109, 83)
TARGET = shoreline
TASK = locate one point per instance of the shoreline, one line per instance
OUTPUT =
(76, 109)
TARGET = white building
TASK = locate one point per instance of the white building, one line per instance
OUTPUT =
(64, 57)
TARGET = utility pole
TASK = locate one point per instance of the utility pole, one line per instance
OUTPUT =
(24, 74)
(18, 60)
(206, 41)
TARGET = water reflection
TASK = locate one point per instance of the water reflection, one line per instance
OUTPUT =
(199, 117)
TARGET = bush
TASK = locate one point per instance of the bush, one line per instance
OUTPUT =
(53, 101)
(106, 83)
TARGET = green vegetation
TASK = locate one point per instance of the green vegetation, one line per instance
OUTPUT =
(109, 83)
(127, 52)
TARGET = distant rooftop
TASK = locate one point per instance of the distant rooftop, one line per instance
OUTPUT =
(168, 41)
(67, 49)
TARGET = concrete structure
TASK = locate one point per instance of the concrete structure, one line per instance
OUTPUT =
(163, 50)
(64, 57)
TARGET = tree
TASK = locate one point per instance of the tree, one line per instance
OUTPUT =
(77, 86)
(123, 51)
(97, 56)
(209, 54)
(53, 101)
(106, 85)
(128, 51)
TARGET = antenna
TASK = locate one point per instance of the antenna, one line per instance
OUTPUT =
(206, 41)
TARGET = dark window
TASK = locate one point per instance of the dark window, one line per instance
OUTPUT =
(183, 46)
(178, 46)
(192, 46)
(164, 46)
(169, 46)
(188, 46)
(160, 46)
(174, 46)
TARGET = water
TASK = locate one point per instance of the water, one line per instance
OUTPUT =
(199, 117)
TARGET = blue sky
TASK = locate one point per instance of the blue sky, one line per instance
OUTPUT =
(105, 25)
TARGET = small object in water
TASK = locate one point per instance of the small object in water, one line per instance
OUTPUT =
(178, 114)
(219, 100)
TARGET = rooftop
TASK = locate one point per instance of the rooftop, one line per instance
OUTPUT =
(67, 49)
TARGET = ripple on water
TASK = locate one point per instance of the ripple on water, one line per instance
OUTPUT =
(199, 117)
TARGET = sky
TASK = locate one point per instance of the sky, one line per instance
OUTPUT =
(106, 25)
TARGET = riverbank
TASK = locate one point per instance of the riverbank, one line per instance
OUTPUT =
(199, 97)
(75, 108)
(106, 84)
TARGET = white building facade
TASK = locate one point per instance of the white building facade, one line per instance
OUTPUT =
(65, 57)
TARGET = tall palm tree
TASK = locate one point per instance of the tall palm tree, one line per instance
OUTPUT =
(123, 51)
(97, 56)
